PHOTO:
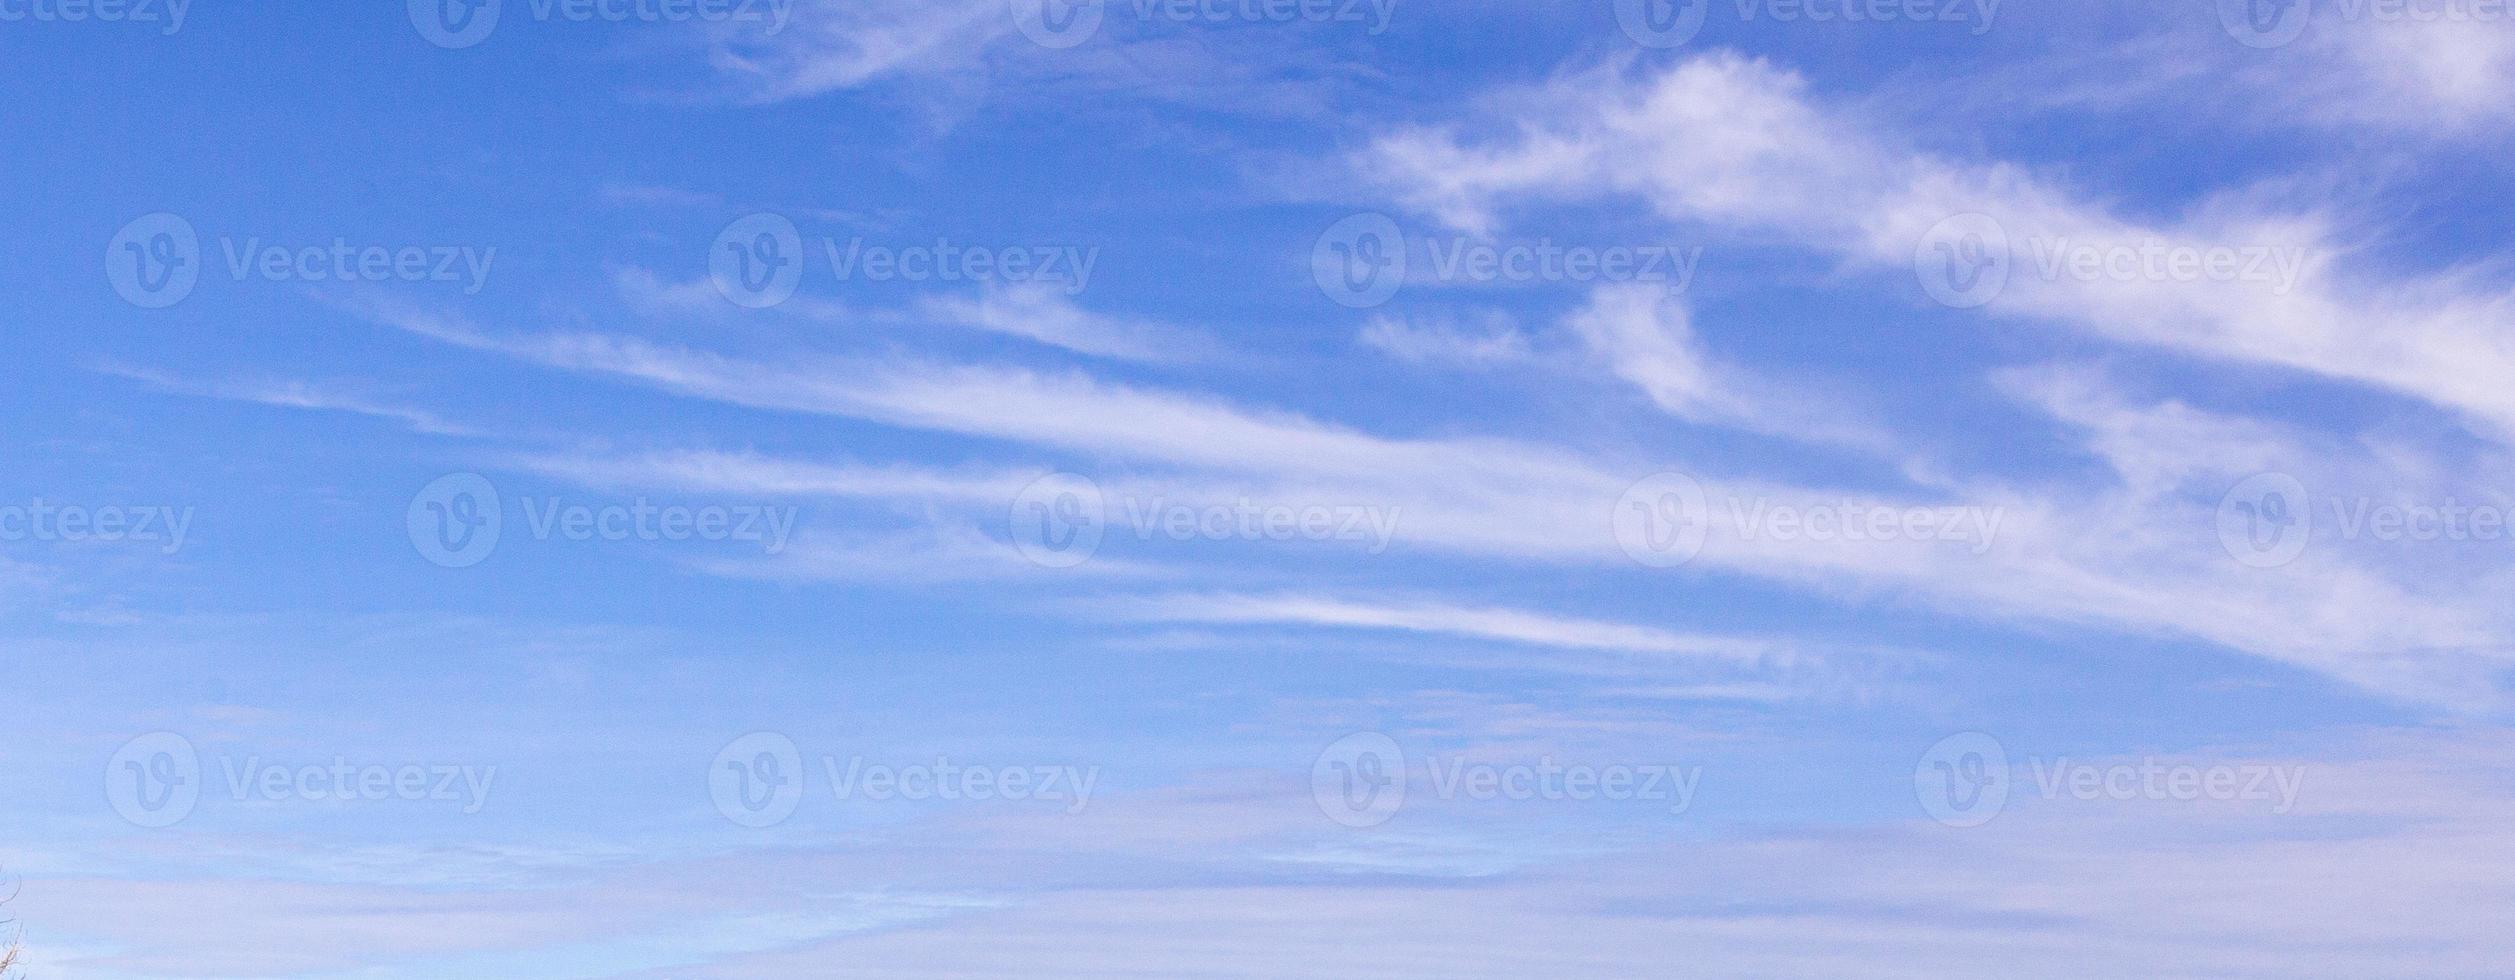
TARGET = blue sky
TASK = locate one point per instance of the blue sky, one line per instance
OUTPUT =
(647, 489)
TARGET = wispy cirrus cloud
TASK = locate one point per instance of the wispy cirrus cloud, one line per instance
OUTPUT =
(2140, 561)
(1741, 144)
(1509, 625)
(1647, 339)
(1046, 313)
(1491, 338)
(832, 45)
(299, 395)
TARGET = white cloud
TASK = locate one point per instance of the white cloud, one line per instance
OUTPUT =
(1739, 143)
(754, 474)
(2146, 564)
(1046, 313)
(2447, 74)
(1492, 338)
(831, 45)
(300, 395)
(1509, 625)
(1647, 338)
